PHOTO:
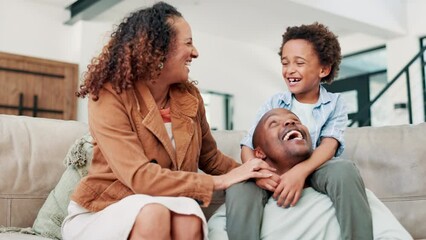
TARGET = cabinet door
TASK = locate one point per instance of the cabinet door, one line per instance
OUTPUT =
(37, 87)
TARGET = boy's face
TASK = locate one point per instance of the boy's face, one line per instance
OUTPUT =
(302, 70)
(283, 137)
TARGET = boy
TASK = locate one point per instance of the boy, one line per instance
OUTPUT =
(310, 55)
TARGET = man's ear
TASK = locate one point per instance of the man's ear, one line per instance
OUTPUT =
(258, 153)
(325, 70)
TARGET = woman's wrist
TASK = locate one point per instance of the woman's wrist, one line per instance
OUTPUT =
(218, 182)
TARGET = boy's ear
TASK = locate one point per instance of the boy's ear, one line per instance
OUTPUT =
(258, 153)
(325, 70)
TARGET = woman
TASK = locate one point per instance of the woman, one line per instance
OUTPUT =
(150, 137)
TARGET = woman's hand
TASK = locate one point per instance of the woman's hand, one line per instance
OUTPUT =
(250, 169)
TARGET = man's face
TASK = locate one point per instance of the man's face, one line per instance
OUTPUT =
(283, 137)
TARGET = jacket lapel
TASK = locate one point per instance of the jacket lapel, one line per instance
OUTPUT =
(184, 108)
(153, 121)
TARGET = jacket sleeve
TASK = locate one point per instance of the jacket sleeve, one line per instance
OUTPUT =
(121, 148)
(268, 105)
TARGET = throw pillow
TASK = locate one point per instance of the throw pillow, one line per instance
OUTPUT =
(54, 210)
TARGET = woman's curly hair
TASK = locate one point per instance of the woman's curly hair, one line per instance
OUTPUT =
(324, 42)
(137, 47)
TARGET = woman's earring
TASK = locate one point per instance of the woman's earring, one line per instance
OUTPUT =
(160, 65)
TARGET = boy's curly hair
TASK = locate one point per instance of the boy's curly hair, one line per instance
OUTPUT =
(325, 44)
(136, 48)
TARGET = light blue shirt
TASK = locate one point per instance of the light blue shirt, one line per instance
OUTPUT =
(329, 112)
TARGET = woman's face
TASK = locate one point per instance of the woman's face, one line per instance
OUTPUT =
(176, 67)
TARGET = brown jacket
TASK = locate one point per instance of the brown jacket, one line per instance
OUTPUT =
(133, 153)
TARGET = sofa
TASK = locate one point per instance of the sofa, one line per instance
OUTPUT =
(38, 157)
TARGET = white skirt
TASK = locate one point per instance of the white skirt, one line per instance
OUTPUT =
(116, 221)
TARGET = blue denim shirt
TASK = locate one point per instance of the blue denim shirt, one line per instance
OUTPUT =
(330, 116)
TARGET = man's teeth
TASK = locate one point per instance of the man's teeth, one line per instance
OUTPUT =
(293, 134)
(188, 63)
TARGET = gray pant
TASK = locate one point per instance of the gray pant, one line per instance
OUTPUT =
(339, 179)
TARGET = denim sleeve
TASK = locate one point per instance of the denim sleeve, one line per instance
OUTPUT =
(268, 105)
(336, 124)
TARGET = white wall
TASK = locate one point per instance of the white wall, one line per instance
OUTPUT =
(35, 29)
(358, 42)
(400, 52)
(251, 73)
(237, 68)
(416, 17)
(92, 36)
(378, 17)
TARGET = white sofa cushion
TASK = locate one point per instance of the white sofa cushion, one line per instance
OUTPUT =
(31, 162)
(392, 162)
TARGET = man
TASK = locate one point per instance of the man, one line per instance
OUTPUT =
(282, 141)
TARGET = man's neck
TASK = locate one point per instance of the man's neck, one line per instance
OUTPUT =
(281, 168)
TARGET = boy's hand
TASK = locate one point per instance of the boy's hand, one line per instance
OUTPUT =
(269, 183)
(289, 190)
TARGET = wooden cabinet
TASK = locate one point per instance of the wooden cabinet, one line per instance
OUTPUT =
(37, 87)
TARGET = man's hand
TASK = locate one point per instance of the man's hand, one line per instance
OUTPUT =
(269, 183)
(290, 188)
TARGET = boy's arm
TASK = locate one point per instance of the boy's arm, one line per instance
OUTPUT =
(335, 126)
(289, 190)
(331, 144)
(246, 154)
(324, 152)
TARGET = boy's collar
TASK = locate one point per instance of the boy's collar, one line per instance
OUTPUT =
(324, 97)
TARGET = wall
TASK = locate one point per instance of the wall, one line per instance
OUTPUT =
(35, 29)
(224, 65)
(251, 73)
(400, 51)
(92, 36)
(386, 18)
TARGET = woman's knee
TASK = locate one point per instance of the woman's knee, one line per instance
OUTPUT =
(152, 221)
(186, 227)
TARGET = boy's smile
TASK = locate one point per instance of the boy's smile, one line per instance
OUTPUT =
(302, 70)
